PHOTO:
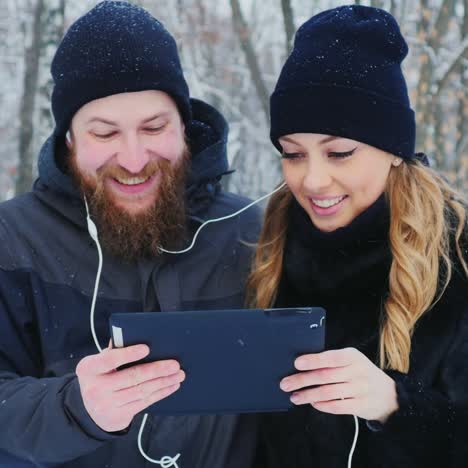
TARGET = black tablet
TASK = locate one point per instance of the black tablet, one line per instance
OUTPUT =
(233, 359)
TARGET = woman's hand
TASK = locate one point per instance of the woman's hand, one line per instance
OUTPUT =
(345, 382)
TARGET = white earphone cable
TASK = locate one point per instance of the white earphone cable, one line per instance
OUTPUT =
(166, 461)
(353, 446)
(221, 219)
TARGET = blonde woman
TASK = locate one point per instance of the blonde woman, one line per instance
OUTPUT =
(365, 229)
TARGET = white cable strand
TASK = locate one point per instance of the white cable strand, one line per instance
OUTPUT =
(94, 235)
(353, 447)
(221, 219)
(166, 461)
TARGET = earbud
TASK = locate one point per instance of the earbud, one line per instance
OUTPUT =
(397, 161)
(92, 229)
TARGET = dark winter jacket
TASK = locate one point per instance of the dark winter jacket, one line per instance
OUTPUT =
(347, 272)
(48, 267)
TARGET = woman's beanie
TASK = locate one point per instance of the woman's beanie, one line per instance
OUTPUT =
(344, 78)
(115, 48)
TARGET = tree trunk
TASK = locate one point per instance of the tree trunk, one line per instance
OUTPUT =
(30, 83)
(53, 29)
(242, 31)
(461, 148)
(289, 27)
(423, 111)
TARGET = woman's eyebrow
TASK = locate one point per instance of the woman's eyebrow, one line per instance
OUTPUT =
(327, 139)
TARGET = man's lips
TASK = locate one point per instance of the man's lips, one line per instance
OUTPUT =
(134, 188)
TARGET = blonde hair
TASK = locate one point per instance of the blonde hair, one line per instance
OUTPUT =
(426, 215)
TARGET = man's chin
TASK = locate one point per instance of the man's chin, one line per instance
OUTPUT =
(133, 208)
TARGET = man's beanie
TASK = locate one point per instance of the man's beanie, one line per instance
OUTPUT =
(115, 48)
(344, 78)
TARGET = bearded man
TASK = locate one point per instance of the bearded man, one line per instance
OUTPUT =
(147, 160)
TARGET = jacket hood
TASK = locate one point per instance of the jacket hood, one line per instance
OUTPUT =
(207, 136)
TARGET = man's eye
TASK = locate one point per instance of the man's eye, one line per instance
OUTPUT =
(154, 129)
(105, 136)
(292, 155)
(346, 154)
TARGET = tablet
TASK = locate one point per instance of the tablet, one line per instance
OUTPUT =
(234, 360)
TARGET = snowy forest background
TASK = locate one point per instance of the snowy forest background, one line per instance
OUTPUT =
(232, 52)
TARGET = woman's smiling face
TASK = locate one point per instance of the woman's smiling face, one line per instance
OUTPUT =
(334, 179)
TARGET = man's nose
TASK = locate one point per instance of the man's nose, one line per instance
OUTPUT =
(133, 156)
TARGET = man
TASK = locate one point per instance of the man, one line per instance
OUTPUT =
(148, 161)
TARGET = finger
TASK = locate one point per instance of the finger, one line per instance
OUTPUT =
(350, 406)
(316, 377)
(137, 406)
(141, 373)
(111, 359)
(146, 389)
(335, 358)
(325, 393)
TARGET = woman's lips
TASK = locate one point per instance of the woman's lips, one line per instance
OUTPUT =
(327, 211)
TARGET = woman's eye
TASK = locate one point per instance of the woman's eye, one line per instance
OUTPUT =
(292, 155)
(346, 154)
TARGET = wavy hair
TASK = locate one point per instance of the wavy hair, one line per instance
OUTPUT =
(427, 220)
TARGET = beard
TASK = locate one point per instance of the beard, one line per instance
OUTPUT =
(135, 236)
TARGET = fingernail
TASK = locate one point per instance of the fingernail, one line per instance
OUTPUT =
(143, 349)
(295, 398)
(299, 363)
(173, 367)
(285, 385)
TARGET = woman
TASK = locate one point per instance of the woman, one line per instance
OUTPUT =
(365, 229)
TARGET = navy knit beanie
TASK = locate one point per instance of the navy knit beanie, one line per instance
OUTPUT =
(344, 78)
(115, 48)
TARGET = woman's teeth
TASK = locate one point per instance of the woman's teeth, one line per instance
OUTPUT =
(328, 202)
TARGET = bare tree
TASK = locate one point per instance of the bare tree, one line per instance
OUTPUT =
(30, 82)
(242, 31)
(289, 27)
(53, 30)
(461, 149)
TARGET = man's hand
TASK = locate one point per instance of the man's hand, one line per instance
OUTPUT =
(113, 397)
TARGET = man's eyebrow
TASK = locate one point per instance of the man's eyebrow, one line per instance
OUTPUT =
(100, 119)
(110, 122)
(156, 116)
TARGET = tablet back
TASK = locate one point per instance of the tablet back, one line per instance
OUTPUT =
(233, 359)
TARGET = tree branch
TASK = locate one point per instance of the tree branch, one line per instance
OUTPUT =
(242, 32)
(461, 55)
(288, 24)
